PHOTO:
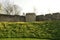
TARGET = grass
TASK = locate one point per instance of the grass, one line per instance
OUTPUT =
(21, 39)
(30, 30)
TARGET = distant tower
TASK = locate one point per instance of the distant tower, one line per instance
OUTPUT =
(30, 17)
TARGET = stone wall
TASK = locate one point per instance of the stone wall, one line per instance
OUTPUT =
(29, 17)
(48, 17)
(40, 18)
(56, 16)
(53, 16)
(11, 18)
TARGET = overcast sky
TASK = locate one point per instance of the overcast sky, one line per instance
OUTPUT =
(40, 6)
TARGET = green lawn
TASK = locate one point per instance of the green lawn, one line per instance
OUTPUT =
(21, 39)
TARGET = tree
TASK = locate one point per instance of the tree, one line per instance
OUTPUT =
(8, 9)
(16, 9)
(11, 9)
(1, 8)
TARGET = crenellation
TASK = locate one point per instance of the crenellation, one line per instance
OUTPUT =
(40, 18)
(56, 16)
(48, 17)
(29, 17)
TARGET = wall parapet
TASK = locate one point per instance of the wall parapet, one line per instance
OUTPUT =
(29, 17)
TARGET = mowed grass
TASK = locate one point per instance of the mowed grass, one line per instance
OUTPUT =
(21, 39)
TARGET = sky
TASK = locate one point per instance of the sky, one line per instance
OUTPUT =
(39, 6)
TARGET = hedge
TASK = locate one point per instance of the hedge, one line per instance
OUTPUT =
(46, 29)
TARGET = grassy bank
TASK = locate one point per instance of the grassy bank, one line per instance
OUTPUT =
(46, 29)
(22, 39)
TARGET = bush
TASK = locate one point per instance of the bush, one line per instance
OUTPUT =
(47, 29)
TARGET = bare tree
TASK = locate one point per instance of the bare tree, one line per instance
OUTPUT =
(1, 8)
(8, 10)
(8, 7)
(11, 9)
(17, 10)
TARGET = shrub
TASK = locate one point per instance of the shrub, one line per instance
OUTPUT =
(47, 29)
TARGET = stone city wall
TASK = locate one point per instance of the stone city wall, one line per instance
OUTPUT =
(29, 17)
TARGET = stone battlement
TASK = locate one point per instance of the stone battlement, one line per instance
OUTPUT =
(29, 17)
